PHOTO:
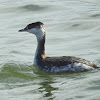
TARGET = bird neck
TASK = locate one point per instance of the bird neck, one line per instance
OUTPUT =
(40, 50)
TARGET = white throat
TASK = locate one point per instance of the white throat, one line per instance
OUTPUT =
(39, 32)
(40, 38)
(35, 57)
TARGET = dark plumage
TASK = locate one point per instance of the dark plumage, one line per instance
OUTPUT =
(48, 62)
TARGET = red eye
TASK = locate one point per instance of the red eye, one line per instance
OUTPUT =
(29, 27)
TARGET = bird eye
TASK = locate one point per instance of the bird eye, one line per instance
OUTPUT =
(29, 27)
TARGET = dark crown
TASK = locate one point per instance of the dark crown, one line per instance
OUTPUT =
(36, 24)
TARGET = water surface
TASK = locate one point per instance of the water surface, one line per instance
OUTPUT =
(72, 28)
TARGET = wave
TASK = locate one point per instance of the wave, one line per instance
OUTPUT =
(29, 7)
(32, 7)
(16, 72)
(95, 15)
(13, 73)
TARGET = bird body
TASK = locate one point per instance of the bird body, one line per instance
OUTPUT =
(54, 64)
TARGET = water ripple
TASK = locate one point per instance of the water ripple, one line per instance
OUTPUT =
(32, 7)
(95, 15)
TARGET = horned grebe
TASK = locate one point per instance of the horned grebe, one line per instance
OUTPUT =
(54, 64)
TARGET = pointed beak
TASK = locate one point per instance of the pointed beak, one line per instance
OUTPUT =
(22, 30)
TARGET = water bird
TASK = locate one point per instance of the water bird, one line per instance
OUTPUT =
(54, 64)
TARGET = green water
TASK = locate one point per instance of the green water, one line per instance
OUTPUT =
(72, 28)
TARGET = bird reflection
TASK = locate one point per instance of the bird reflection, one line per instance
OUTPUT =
(47, 88)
